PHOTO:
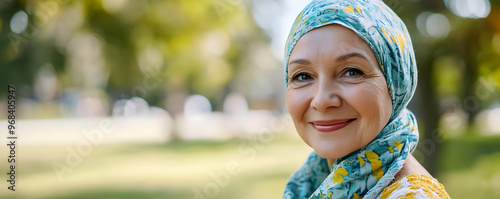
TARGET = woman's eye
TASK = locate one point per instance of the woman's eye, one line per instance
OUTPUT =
(302, 77)
(353, 72)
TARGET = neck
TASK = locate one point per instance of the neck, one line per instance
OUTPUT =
(330, 163)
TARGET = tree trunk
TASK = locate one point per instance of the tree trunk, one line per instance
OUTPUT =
(428, 148)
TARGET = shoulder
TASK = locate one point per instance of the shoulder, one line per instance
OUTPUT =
(411, 166)
(413, 181)
(415, 186)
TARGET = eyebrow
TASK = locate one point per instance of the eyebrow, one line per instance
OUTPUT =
(338, 59)
(350, 55)
(300, 61)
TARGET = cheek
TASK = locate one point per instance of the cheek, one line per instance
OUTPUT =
(297, 102)
(291, 103)
(373, 105)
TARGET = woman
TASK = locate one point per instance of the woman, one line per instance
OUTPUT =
(350, 72)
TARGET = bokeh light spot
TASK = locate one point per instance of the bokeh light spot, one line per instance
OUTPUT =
(469, 8)
(433, 25)
(19, 22)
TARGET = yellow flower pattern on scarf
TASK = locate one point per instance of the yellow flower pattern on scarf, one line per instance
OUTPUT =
(337, 177)
(376, 164)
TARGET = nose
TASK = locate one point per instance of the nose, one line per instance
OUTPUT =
(326, 96)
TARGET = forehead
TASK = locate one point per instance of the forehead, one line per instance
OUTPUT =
(330, 37)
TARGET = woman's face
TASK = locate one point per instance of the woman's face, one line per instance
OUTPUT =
(337, 95)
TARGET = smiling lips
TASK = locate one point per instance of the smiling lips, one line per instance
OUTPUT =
(330, 125)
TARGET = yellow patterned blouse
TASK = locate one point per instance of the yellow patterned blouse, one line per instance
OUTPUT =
(415, 186)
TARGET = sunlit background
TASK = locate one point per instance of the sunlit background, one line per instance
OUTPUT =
(185, 99)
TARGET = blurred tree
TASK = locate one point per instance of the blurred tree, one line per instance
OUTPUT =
(448, 67)
(151, 49)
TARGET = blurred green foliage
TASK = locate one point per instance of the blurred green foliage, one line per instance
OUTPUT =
(463, 152)
(183, 46)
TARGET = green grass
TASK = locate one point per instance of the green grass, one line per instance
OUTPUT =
(161, 170)
(124, 194)
(482, 180)
(470, 167)
(176, 169)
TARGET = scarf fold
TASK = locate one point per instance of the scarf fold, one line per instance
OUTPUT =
(366, 171)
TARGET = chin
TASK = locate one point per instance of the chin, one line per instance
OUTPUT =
(330, 152)
(326, 155)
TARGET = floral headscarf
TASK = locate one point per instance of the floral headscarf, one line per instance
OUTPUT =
(367, 171)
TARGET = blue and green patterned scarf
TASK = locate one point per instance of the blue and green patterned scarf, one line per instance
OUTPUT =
(367, 171)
